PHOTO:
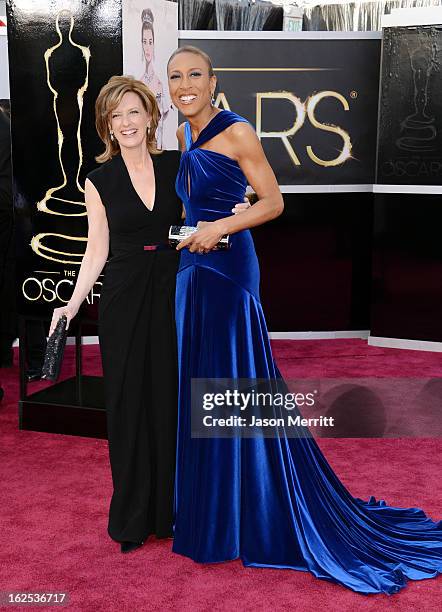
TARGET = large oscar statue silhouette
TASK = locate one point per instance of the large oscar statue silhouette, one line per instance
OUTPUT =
(67, 72)
(418, 130)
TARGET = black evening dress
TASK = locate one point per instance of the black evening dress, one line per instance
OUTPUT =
(138, 348)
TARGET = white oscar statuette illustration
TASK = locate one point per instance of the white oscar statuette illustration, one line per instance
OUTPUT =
(418, 130)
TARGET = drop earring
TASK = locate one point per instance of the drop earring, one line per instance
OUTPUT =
(212, 101)
(112, 135)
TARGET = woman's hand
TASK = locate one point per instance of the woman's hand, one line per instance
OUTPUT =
(207, 236)
(241, 206)
(203, 243)
(68, 311)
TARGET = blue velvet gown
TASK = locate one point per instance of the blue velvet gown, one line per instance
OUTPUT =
(272, 502)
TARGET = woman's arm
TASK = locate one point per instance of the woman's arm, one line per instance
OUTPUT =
(95, 257)
(247, 150)
(245, 147)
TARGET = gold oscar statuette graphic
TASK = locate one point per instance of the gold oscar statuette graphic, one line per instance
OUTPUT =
(66, 199)
(39, 244)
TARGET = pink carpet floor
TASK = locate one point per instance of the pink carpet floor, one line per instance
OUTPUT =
(54, 494)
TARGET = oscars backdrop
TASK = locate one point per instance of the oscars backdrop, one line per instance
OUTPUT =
(410, 119)
(60, 54)
(150, 35)
(313, 101)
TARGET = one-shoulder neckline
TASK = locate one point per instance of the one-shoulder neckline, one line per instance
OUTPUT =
(192, 142)
(197, 145)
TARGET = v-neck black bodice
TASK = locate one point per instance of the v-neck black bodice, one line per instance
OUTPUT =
(131, 223)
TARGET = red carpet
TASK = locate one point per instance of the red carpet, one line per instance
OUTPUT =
(55, 492)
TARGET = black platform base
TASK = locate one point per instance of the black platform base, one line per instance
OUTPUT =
(67, 407)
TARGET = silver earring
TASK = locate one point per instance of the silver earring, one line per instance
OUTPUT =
(213, 100)
(112, 135)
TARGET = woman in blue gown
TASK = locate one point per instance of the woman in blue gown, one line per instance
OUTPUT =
(272, 502)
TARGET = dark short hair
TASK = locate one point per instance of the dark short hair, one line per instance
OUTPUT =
(195, 51)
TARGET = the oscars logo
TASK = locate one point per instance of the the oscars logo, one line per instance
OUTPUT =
(57, 288)
(67, 72)
(303, 110)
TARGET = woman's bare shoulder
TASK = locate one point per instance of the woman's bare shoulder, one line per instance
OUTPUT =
(242, 139)
(239, 130)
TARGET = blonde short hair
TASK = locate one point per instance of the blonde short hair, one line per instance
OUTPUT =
(107, 101)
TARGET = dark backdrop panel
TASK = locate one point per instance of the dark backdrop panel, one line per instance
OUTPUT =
(316, 263)
(410, 119)
(346, 68)
(96, 30)
(407, 267)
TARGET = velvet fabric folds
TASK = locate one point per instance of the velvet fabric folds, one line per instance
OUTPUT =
(273, 502)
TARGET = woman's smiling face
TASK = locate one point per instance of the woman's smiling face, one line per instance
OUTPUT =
(129, 121)
(190, 85)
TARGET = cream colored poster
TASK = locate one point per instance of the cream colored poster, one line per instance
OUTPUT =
(150, 34)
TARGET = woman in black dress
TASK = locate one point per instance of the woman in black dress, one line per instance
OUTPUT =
(131, 203)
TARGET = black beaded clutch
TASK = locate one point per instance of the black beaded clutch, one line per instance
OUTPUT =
(54, 351)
